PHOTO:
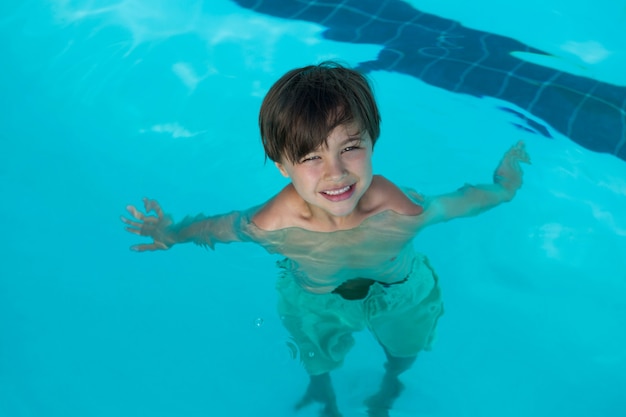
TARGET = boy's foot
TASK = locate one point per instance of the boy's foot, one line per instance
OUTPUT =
(320, 390)
(379, 404)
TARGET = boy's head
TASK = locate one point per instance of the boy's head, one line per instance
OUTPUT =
(306, 104)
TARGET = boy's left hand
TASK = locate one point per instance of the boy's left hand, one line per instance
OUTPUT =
(509, 173)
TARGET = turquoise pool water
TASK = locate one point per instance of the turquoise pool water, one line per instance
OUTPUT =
(106, 102)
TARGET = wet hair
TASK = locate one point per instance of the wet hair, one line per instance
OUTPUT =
(306, 104)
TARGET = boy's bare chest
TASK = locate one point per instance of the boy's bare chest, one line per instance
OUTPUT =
(357, 250)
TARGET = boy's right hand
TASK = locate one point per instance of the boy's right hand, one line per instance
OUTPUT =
(147, 225)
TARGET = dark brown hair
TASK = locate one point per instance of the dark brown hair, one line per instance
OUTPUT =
(306, 104)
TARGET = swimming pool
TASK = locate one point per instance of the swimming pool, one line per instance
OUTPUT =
(106, 102)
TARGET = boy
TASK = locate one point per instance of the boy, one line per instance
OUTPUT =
(346, 234)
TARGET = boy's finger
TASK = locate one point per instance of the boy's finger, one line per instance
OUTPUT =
(130, 222)
(140, 248)
(153, 205)
(148, 247)
(136, 213)
(147, 203)
(133, 231)
(157, 209)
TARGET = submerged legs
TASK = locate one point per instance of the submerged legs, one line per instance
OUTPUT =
(321, 390)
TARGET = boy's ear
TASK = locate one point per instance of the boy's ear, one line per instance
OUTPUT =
(282, 169)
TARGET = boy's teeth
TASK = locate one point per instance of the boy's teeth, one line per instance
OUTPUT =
(337, 192)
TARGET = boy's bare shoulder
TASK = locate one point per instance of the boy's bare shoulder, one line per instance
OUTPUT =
(277, 213)
(385, 195)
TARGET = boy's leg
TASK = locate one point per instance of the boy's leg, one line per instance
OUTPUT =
(390, 389)
(322, 345)
(403, 321)
(321, 326)
(321, 390)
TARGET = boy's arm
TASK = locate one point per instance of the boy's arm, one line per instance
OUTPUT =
(201, 230)
(471, 200)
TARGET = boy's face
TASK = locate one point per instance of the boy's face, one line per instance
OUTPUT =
(333, 179)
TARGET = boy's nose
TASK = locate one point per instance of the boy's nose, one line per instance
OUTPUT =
(335, 169)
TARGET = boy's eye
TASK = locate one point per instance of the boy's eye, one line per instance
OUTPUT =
(309, 158)
(352, 147)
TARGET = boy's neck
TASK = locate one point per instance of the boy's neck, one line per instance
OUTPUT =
(321, 221)
(317, 219)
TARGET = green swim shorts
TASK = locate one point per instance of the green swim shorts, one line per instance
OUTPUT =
(402, 317)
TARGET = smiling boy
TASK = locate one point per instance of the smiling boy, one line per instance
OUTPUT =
(345, 234)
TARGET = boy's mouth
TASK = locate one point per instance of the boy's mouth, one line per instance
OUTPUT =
(339, 194)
